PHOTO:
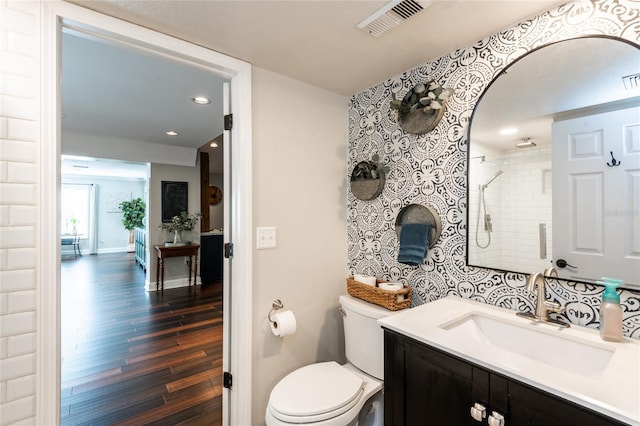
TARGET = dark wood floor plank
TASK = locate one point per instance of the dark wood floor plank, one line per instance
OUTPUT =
(133, 357)
(194, 379)
(178, 328)
(162, 353)
(170, 407)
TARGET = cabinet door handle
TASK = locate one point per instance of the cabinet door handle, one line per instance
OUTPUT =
(478, 412)
(496, 419)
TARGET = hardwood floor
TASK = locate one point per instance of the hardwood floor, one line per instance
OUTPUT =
(130, 357)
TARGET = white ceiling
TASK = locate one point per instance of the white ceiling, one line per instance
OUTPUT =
(317, 41)
(115, 92)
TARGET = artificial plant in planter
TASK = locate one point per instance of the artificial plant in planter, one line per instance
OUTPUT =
(180, 223)
(367, 178)
(422, 107)
(132, 214)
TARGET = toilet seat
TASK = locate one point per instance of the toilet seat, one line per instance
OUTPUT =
(315, 393)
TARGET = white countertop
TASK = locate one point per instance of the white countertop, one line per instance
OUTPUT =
(615, 392)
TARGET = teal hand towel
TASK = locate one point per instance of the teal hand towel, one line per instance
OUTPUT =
(414, 243)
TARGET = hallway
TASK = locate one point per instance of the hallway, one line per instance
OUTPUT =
(131, 357)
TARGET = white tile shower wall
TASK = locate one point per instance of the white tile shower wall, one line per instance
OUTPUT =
(19, 128)
(526, 199)
(431, 169)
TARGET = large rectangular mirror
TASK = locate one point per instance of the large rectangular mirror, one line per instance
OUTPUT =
(554, 164)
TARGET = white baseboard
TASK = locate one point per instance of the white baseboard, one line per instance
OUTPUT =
(112, 250)
(175, 283)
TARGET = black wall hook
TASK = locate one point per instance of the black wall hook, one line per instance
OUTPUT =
(614, 162)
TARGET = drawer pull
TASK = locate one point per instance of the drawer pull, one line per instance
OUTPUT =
(496, 419)
(478, 412)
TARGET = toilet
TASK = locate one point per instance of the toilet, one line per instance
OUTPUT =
(330, 394)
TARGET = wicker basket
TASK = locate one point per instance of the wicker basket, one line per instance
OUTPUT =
(386, 298)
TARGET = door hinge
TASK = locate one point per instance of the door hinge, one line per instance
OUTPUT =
(228, 121)
(228, 250)
(227, 380)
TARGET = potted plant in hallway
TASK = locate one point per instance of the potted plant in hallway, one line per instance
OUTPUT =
(132, 214)
(180, 223)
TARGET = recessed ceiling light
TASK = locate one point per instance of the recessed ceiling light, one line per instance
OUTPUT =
(172, 133)
(201, 100)
(213, 145)
(508, 131)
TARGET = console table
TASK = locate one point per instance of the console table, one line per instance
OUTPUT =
(162, 252)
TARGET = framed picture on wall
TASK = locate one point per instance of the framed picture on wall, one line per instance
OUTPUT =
(174, 199)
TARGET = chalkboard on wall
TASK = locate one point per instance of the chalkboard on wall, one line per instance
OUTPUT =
(174, 199)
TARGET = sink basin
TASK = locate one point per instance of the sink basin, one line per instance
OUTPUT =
(533, 341)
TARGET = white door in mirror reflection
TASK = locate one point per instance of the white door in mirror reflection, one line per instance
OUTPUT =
(596, 198)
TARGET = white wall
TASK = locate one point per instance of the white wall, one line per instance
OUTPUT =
(299, 186)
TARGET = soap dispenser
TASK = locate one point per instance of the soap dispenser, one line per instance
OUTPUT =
(610, 311)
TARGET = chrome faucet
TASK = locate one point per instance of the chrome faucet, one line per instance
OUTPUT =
(543, 306)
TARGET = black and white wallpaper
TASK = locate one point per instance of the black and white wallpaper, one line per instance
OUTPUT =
(430, 169)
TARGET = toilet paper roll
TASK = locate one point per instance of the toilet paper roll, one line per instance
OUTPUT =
(365, 279)
(283, 323)
(393, 287)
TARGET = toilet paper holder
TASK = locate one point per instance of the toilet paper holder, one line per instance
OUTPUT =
(276, 305)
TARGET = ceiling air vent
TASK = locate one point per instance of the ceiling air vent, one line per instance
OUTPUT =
(390, 16)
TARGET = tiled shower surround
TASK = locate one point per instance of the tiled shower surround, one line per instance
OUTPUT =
(431, 169)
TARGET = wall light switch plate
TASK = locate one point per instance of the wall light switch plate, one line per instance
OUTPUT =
(265, 237)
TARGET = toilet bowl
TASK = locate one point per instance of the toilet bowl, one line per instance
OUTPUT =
(326, 394)
(330, 394)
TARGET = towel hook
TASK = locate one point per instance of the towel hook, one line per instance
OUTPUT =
(614, 162)
(277, 304)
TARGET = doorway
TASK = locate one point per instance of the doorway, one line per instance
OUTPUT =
(237, 359)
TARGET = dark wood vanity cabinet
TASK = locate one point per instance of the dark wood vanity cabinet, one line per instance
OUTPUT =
(426, 386)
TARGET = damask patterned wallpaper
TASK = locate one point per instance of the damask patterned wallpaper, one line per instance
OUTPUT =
(430, 169)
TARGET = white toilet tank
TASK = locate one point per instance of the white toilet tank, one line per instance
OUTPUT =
(363, 337)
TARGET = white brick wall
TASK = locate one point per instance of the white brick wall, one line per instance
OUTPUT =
(19, 151)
